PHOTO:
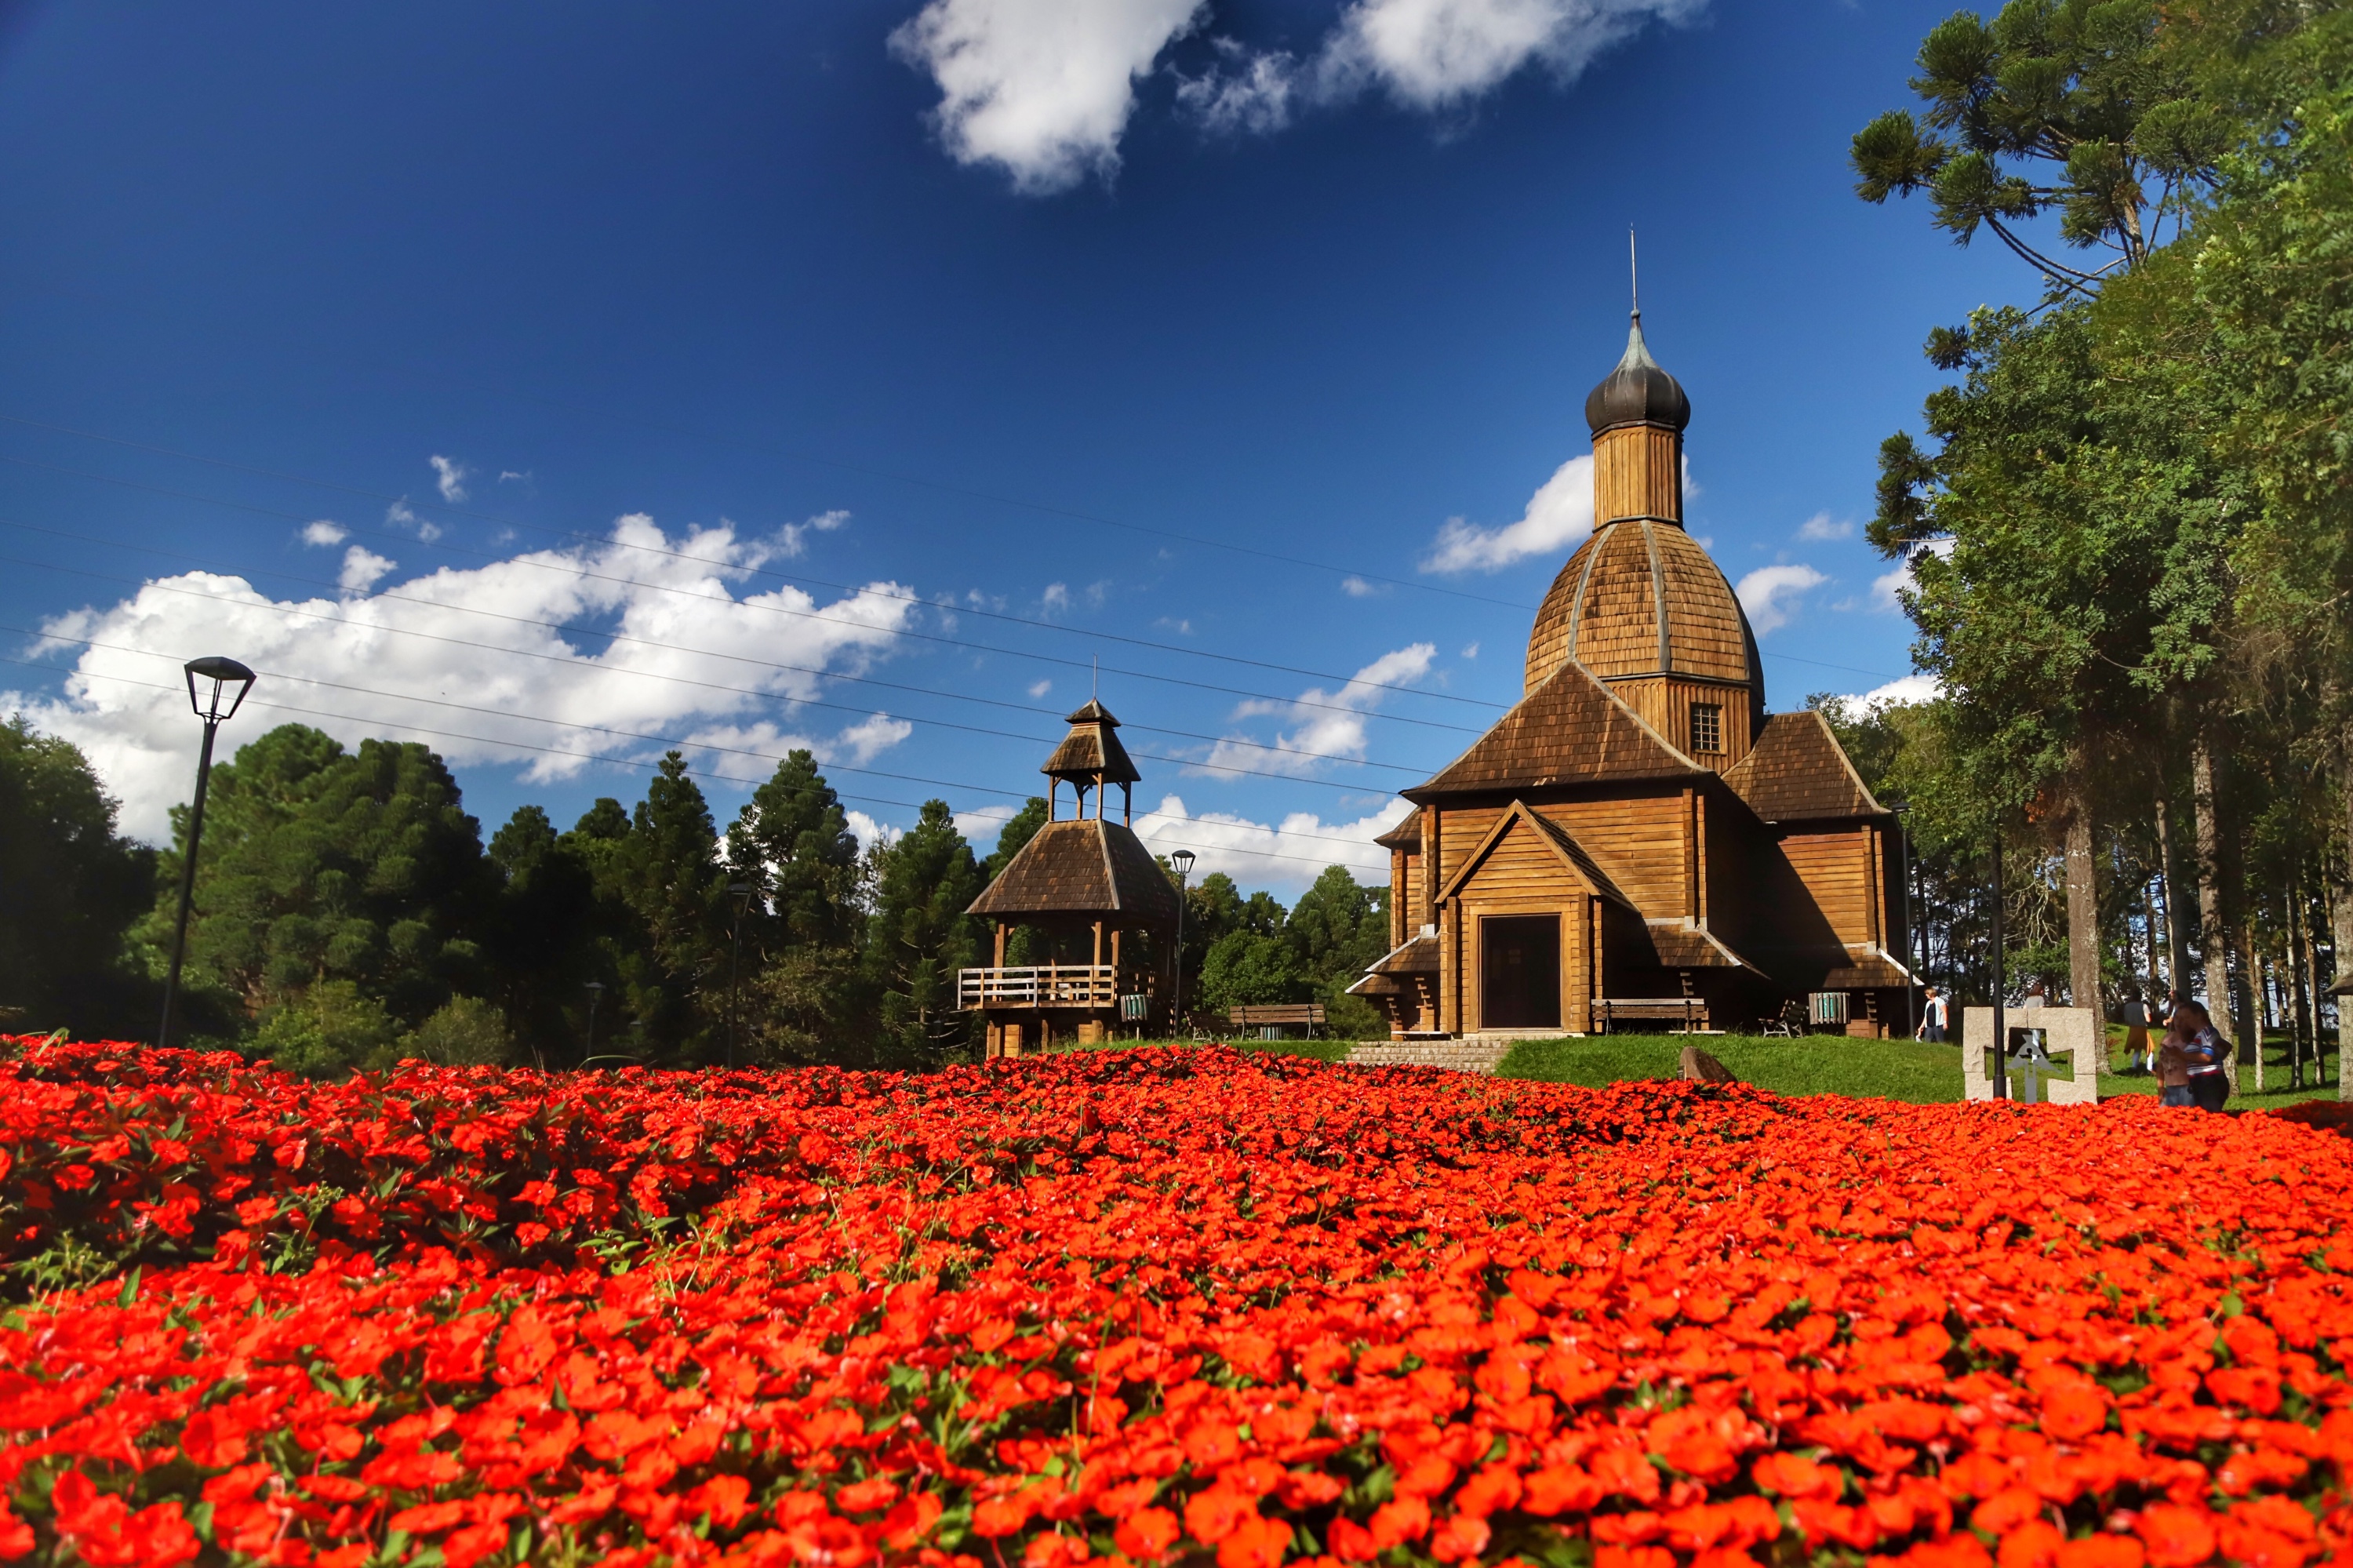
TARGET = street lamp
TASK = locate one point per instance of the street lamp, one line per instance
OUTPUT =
(223, 673)
(595, 993)
(742, 893)
(1183, 860)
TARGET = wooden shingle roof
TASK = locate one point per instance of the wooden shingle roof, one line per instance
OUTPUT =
(1798, 771)
(1406, 835)
(1643, 597)
(1086, 867)
(1569, 730)
(1393, 974)
(1091, 749)
(1683, 946)
(1869, 967)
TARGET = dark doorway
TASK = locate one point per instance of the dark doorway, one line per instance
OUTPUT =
(1519, 972)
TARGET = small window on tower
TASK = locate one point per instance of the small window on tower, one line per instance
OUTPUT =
(1708, 729)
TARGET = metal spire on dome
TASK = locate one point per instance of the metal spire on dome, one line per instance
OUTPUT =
(1640, 391)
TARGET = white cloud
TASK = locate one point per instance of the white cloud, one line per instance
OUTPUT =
(1558, 514)
(1039, 688)
(1437, 54)
(1041, 89)
(1470, 650)
(1254, 95)
(866, 740)
(1285, 854)
(981, 825)
(684, 619)
(869, 832)
(1821, 527)
(794, 535)
(1056, 597)
(450, 475)
(1904, 689)
(1044, 88)
(1769, 594)
(509, 475)
(401, 515)
(1358, 588)
(1330, 724)
(1888, 586)
(362, 568)
(323, 533)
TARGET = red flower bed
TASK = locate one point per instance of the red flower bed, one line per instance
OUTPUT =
(1155, 1307)
(2337, 1115)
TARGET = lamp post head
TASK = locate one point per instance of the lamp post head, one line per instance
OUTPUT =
(596, 989)
(739, 889)
(1183, 860)
(223, 673)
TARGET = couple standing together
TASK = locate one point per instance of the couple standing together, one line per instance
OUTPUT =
(2190, 1057)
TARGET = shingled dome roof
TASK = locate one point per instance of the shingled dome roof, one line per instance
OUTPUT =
(1638, 392)
(1643, 598)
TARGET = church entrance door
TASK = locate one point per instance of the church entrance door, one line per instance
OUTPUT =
(1519, 972)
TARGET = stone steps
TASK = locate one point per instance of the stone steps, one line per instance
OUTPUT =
(1460, 1055)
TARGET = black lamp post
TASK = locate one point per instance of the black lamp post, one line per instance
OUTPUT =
(742, 893)
(1183, 860)
(595, 993)
(223, 673)
(1998, 1059)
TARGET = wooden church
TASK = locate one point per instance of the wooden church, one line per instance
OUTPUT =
(1639, 843)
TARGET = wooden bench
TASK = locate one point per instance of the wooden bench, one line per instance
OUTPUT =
(1276, 1015)
(1690, 1012)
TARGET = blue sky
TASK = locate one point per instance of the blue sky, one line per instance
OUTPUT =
(550, 383)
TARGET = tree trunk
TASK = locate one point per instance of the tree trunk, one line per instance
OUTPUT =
(2168, 861)
(2341, 908)
(2083, 912)
(2213, 944)
(2308, 991)
(2251, 1016)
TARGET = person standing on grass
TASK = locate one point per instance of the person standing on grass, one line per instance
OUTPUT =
(2194, 1052)
(2136, 1022)
(1932, 1018)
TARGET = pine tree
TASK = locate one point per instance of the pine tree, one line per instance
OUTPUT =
(79, 887)
(805, 996)
(918, 936)
(322, 864)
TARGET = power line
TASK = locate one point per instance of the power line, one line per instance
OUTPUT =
(1044, 509)
(606, 670)
(606, 540)
(637, 766)
(820, 671)
(602, 729)
(583, 574)
(862, 592)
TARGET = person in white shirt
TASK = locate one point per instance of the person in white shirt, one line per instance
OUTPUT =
(1932, 1019)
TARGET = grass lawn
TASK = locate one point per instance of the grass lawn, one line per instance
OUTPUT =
(1830, 1064)
(1320, 1050)
(1810, 1064)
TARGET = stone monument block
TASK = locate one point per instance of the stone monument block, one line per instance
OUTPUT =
(1700, 1067)
(2071, 1037)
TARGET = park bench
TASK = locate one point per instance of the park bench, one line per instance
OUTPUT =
(1271, 1017)
(1687, 1012)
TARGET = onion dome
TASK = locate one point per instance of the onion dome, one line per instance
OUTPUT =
(1638, 392)
(1643, 598)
